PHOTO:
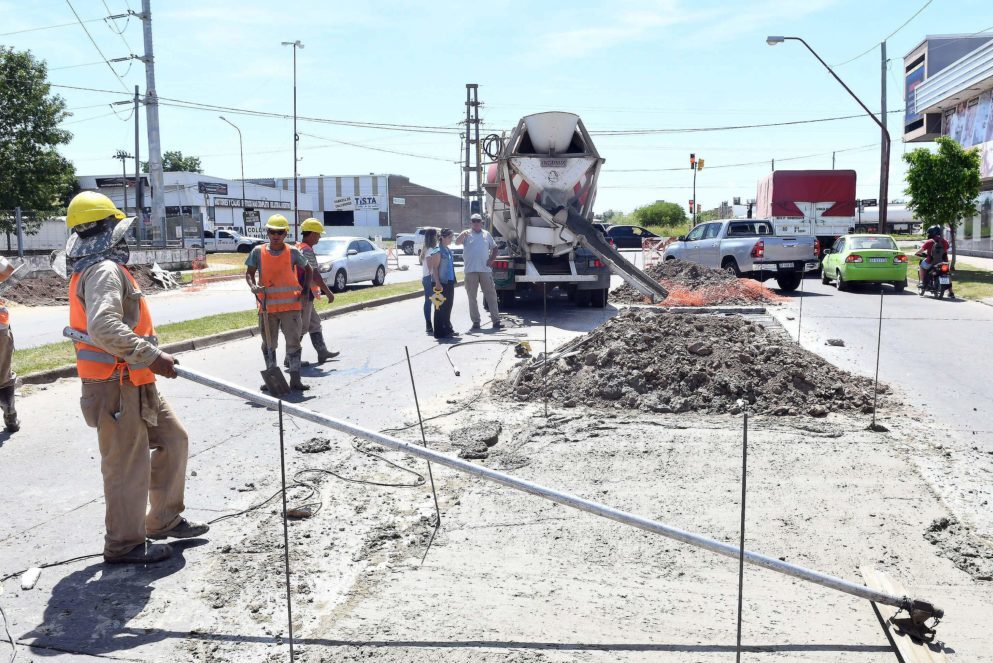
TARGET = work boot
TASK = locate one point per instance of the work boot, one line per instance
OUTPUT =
(270, 357)
(143, 553)
(296, 383)
(184, 529)
(323, 354)
(10, 420)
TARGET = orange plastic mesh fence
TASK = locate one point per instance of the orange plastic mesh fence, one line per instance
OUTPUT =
(740, 292)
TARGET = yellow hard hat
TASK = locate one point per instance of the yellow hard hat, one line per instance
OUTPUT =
(278, 222)
(90, 206)
(312, 225)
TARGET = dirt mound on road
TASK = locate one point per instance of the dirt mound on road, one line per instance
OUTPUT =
(50, 289)
(675, 362)
(690, 284)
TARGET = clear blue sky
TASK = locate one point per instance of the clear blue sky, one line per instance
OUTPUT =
(626, 64)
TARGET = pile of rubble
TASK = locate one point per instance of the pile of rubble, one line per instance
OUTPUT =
(658, 361)
(50, 289)
(690, 284)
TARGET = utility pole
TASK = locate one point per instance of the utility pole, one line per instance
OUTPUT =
(884, 148)
(472, 154)
(296, 138)
(152, 120)
(832, 160)
(124, 156)
(773, 165)
(139, 199)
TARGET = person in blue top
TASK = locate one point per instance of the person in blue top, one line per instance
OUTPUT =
(442, 267)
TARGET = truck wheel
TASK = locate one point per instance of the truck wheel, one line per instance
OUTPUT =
(731, 265)
(408, 248)
(598, 298)
(244, 248)
(789, 282)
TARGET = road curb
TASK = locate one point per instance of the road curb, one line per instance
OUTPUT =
(201, 342)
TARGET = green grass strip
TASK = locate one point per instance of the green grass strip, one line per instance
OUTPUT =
(53, 355)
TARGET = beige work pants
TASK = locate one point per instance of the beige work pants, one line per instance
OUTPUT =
(473, 281)
(7, 376)
(310, 319)
(290, 322)
(143, 491)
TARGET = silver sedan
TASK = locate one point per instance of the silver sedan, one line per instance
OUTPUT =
(344, 260)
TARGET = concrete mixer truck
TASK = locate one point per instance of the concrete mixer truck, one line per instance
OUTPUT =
(540, 191)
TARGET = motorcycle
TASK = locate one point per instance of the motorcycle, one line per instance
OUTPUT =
(937, 281)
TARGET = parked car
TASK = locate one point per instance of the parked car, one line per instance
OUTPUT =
(628, 237)
(344, 260)
(223, 240)
(411, 243)
(748, 248)
(865, 259)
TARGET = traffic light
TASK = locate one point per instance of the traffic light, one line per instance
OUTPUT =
(699, 164)
(691, 205)
(692, 161)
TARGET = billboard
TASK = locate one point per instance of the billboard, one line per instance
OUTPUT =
(914, 78)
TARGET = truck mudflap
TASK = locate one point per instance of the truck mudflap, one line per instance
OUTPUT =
(594, 241)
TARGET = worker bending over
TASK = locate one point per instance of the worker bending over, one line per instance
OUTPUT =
(280, 295)
(143, 491)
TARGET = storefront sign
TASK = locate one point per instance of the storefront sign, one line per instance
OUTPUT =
(251, 217)
(213, 188)
(348, 203)
(260, 204)
(399, 201)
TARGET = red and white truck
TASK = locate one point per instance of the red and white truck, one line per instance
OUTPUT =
(820, 203)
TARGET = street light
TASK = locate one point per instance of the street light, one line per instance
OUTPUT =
(241, 152)
(884, 174)
(296, 137)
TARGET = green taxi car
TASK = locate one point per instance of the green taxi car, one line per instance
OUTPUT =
(864, 259)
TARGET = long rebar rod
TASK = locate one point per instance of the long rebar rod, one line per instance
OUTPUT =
(286, 528)
(879, 345)
(559, 497)
(544, 322)
(741, 547)
(424, 443)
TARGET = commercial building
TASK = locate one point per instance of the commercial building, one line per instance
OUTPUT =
(364, 205)
(949, 92)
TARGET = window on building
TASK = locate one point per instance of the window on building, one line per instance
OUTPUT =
(343, 218)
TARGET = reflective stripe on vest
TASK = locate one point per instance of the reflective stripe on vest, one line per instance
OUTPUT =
(92, 363)
(279, 278)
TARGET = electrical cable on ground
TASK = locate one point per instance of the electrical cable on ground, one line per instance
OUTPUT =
(424, 442)
(10, 638)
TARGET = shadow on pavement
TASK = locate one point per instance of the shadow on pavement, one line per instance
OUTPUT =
(89, 609)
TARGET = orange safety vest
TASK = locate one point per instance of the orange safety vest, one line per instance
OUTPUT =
(279, 278)
(92, 363)
(4, 317)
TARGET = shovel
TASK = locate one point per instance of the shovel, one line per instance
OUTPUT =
(273, 378)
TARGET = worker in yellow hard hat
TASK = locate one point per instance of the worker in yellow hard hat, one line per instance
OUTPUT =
(311, 231)
(280, 294)
(8, 377)
(143, 491)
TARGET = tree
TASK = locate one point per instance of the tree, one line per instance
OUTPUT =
(661, 213)
(943, 185)
(174, 162)
(609, 214)
(33, 175)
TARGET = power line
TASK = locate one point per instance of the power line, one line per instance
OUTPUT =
(379, 149)
(47, 27)
(874, 46)
(645, 132)
(93, 41)
(765, 162)
(119, 33)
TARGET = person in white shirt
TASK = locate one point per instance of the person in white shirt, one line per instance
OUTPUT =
(478, 251)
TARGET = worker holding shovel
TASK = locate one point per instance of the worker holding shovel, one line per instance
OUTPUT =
(119, 395)
(280, 297)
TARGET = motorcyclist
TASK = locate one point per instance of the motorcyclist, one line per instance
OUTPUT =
(932, 252)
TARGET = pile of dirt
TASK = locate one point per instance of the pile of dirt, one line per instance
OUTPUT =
(50, 289)
(690, 284)
(659, 361)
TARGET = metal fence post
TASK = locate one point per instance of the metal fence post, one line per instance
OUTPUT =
(20, 232)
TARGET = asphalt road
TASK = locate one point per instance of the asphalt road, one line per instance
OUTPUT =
(34, 326)
(933, 350)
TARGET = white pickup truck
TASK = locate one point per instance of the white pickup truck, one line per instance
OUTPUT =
(748, 248)
(222, 240)
(411, 243)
